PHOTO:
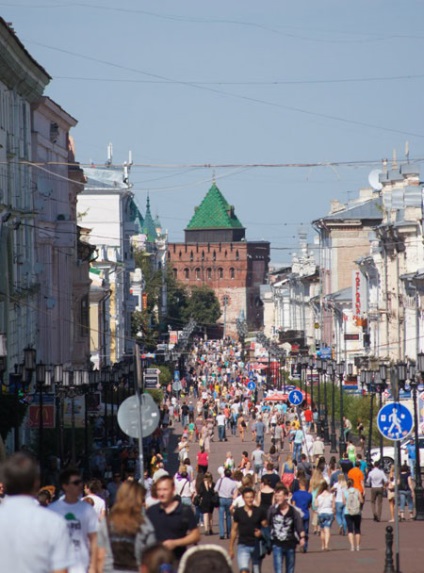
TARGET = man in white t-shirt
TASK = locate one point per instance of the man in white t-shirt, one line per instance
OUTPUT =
(92, 489)
(220, 422)
(32, 540)
(81, 520)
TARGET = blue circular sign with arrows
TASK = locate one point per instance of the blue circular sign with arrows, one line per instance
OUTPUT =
(394, 421)
(251, 385)
(296, 397)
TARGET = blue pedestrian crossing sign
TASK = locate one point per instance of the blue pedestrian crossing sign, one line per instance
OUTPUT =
(296, 397)
(251, 385)
(394, 421)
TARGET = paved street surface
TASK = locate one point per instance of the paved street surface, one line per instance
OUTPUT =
(371, 557)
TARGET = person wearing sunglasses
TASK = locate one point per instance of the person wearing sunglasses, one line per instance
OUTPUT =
(81, 520)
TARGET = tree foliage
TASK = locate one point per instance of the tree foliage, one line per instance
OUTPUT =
(203, 306)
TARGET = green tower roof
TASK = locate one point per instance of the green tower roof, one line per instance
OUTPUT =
(149, 227)
(214, 212)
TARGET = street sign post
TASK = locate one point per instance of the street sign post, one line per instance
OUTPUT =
(395, 422)
(151, 378)
(295, 397)
(251, 386)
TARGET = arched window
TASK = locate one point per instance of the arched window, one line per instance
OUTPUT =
(203, 255)
(232, 273)
(220, 273)
(180, 255)
(191, 256)
(237, 256)
(214, 256)
(186, 273)
(197, 273)
(209, 273)
(225, 254)
(175, 271)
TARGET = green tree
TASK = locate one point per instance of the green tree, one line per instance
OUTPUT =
(203, 306)
(177, 302)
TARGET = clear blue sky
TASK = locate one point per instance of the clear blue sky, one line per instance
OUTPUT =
(241, 82)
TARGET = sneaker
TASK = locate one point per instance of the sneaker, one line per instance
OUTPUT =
(352, 549)
(358, 548)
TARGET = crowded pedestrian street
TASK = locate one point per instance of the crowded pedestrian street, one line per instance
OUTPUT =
(223, 466)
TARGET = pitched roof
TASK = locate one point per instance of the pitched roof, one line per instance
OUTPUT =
(371, 209)
(149, 227)
(214, 212)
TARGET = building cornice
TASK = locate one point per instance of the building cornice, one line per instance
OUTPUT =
(20, 71)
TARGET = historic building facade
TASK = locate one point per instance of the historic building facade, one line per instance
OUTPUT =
(216, 253)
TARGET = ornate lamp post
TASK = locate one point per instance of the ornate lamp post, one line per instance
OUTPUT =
(43, 379)
(242, 332)
(326, 431)
(318, 366)
(311, 367)
(380, 388)
(368, 381)
(342, 441)
(419, 491)
(331, 370)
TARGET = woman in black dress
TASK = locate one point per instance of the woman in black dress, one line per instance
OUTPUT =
(207, 493)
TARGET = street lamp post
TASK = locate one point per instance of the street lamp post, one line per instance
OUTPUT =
(342, 441)
(380, 387)
(326, 430)
(331, 370)
(311, 367)
(419, 491)
(368, 381)
(43, 380)
(318, 366)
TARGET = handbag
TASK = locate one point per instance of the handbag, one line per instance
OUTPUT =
(197, 500)
(215, 499)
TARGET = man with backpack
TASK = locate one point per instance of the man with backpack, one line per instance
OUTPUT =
(353, 504)
(286, 526)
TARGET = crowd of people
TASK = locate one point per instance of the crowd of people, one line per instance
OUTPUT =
(280, 490)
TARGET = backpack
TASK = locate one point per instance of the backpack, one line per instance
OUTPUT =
(353, 505)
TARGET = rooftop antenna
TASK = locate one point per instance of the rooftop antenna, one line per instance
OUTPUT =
(109, 155)
(394, 160)
(407, 151)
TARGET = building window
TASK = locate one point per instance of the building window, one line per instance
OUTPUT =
(232, 273)
(191, 256)
(175, 271)
(197, 274)
(220, 273)
(225, 254)
(214, 256)
(186, 274)
(209, 273)
(203, 255)
(180, 255)
(237, 256)
(84, 316)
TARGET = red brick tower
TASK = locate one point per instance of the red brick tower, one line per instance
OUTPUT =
(215, 253)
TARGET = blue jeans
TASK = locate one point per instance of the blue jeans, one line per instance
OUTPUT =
(405, 498)
(297, 450)
(279, 554)
(221, 433)
(245, 554)
(260, 440)
(340, 516)
(224, 509)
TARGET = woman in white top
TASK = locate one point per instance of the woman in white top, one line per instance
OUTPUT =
(339, 488)
(325, 508)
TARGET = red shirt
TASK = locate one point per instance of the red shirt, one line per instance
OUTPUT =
(203, 458)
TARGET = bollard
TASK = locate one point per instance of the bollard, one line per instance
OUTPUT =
(388, 564)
